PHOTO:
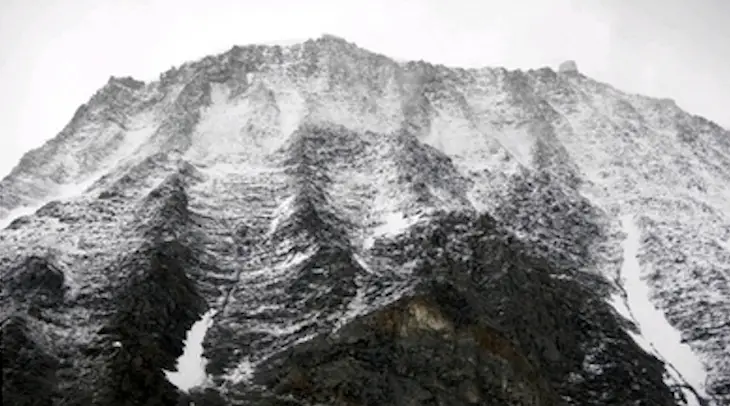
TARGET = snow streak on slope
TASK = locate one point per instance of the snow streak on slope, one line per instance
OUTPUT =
(65, 192)
(17, 213)
(656, 335)
(102, 149)
(395, 223)
(190, 370)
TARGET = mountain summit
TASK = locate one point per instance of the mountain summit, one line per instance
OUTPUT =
(355, 230)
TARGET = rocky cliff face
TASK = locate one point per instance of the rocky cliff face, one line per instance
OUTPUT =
(369, 232)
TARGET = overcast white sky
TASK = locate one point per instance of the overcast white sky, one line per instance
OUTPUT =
(54, 54)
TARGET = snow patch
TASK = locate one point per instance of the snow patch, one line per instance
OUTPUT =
(453, 133)
(141, 131)
(292, 108)
(298, 258)
(247, 127)
(17, 213)
(190, 370)
(64, 191)
(656, 336)
(726, 244)
(286, 329)
(395, 223)
(266, 275)
(518, 144)
(284, 210)
(243, 372)
(364, 265)
(79, 188)
(357, 306)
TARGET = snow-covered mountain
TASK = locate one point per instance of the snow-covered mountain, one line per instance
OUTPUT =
(360, 231)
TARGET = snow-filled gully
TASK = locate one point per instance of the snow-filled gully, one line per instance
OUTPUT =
(656, 335)
(190, 370)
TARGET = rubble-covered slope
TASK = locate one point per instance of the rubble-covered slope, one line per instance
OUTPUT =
(366, 232)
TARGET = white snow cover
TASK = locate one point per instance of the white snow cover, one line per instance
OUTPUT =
(67, 191)
(141, 128)
(656, 336)
(282, 212)
(17, 213)
(190, 370)
(222, 131)
(394, 224)
(243, 372)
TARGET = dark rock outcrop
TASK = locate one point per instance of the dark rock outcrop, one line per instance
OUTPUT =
(29, 370)
(430, 348)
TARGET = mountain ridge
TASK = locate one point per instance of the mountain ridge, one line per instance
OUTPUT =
(319, 186)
